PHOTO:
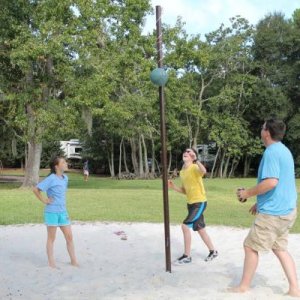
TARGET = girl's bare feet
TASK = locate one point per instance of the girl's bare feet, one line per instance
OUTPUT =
(52, 265)
(75, 264)
(238, 289)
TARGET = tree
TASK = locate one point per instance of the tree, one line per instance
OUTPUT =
(35, 37)
(81, 69)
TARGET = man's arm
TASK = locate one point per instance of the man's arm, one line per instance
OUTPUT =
(263, 187)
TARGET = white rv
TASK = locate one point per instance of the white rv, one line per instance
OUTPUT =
(207, 153)
(72, 149)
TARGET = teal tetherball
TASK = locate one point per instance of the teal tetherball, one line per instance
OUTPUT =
(159, 76)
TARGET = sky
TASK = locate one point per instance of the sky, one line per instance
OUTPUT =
(203, 16)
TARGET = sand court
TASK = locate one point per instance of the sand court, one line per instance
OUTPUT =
(115, 268)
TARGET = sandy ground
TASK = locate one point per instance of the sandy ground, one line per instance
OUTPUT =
(112, 268)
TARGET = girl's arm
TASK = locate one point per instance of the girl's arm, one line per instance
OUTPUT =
(176, 188)
(39, 195)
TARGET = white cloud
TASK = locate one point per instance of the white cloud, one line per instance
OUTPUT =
(202, 16)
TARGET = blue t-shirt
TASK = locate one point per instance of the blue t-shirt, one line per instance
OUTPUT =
(56, 188)
(277, 162)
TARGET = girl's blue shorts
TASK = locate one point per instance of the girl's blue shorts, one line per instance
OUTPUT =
(57, 219)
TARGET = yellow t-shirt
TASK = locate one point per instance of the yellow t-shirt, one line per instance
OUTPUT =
(193, 184)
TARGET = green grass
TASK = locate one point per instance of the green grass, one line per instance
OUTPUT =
(103, 199)
(20, 172)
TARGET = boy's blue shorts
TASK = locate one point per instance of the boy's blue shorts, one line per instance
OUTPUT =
(57, 219)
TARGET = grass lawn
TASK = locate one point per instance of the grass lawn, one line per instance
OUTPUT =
(103, 199)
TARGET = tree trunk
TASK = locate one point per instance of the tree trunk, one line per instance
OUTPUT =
(134, 157)
(190, 130)
(26, 155)
(222, 164)
(145, 156)
(153, 158)
(120, 158)
(170, 161)
(125, 158)
(141, 164)
(33, 164)
(34, 131)
(34, 151)
(200, 99)
(215, 163)
(247, 164)
(196, 135)
(226, 167)
(233, 167)
(158, 168)
(111, 161)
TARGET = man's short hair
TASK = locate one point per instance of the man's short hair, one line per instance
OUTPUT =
(276, 127)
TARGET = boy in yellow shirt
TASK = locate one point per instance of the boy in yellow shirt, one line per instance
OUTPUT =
(192, 186)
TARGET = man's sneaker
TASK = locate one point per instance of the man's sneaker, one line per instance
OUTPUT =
(212, 255)
(184, 259)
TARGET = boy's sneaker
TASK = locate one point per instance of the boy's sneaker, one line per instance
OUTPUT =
(212, 255)
(184, 259)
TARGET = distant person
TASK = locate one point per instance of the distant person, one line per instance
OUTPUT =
(86, 171)
(192, 186)
(56, 215)
(275, 208)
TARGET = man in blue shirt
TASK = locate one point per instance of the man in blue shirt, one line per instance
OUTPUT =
(275, 208)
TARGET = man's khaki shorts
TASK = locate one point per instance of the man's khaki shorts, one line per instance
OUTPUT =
(270, 232)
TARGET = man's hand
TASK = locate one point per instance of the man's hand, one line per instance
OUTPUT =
(253, 209)
(242, 194)
(263, 187)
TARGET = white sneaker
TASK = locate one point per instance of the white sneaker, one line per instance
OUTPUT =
(184, 259)
(212, 255)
